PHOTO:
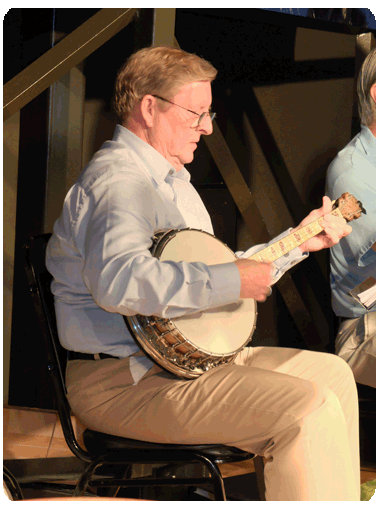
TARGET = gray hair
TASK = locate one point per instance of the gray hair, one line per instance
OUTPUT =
(367, 78)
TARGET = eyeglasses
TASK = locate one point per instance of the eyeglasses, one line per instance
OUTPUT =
(201, 117)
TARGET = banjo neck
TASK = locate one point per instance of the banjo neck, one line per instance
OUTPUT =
(291, 241)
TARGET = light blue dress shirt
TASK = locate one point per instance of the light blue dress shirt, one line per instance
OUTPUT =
(99, 253)
(352, 260)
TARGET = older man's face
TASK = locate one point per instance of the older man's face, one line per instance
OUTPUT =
(175, 134)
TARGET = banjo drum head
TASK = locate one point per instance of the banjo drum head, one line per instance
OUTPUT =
(221, 330)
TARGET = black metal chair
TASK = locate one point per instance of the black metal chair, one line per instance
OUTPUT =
(107, 451)
(12, 488)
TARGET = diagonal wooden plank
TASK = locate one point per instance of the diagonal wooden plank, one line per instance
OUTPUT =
(74, 48)
(243, 198)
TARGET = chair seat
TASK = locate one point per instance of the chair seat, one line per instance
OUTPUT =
(102, 444)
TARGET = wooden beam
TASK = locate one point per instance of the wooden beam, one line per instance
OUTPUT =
(164, 26)
(72, 50)
(255, 222)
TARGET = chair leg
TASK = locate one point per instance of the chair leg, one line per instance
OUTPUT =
(259, 470)
(85, 478)
(220, 493)
(216, 476)
(126, 474)
(12, 485)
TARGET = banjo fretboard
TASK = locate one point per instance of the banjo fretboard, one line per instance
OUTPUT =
(291, 241)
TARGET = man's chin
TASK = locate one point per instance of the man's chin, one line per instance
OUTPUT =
(184, 159)
(187, 158)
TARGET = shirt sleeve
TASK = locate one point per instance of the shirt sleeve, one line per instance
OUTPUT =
(115, 235)
(359, 180)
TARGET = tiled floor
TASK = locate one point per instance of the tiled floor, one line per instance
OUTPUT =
(29, 433)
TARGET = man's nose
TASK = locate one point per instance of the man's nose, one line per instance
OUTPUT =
(206, 127)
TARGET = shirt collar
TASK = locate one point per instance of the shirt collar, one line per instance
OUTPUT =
(182, 174)
(369, 143)
(158, 166)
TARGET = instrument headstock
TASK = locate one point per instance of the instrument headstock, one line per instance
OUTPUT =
(349, 207)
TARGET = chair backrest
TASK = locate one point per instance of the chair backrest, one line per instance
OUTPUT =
(39, 283)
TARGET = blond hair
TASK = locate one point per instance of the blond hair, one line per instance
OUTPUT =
(367, 78)
(160, 70)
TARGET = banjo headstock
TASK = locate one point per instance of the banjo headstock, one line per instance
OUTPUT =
(349, 207)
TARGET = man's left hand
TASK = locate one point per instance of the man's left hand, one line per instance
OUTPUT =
(335, 228)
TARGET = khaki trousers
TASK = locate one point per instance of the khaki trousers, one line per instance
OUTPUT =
(356, 344)
(298, 409)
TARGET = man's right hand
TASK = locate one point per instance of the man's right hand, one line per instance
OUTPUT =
(255, 279)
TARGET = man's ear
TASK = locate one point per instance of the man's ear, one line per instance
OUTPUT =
(373, 92)
(148, 109)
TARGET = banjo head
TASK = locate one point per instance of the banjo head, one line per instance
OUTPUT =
(220, 330)
(190, 345)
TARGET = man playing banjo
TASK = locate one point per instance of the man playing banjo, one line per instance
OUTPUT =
(296, 408)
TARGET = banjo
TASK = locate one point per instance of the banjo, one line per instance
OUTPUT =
(192, 344)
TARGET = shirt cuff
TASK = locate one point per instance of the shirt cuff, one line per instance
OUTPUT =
(225, 284)
(283, 263)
